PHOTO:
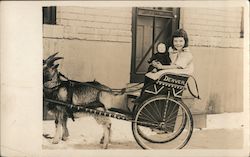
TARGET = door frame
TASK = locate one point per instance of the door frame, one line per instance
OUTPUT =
(136, 11)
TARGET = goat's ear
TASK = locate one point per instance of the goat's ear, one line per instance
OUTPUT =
(55, 66)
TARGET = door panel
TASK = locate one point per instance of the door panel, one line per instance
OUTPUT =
(150, 26)
(144, 41)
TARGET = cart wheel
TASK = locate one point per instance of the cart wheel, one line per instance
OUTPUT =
(162, 123)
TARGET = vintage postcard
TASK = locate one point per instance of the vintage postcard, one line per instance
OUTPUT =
(108, 78)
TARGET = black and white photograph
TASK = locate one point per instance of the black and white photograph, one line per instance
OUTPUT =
(164, 76)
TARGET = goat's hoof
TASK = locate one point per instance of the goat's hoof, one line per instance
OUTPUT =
(64, 138)
(102, 140)
(66, 134)
(55, 141)
(105, 146)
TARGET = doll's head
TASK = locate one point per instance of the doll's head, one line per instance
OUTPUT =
(179, 39)
(161, 48)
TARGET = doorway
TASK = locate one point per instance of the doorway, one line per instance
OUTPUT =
(150, 26)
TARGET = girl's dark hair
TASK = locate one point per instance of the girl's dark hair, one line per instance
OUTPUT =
(180, 33)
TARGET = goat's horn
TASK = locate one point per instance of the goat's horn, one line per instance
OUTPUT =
(54, 59)
(50, 57)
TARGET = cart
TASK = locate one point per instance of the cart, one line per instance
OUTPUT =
(161, 121)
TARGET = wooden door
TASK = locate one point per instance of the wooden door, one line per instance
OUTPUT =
(150, 26)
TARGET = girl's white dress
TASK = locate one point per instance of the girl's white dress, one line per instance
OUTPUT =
(183, 59)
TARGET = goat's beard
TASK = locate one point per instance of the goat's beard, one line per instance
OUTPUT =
(51, 82)
(47, 77)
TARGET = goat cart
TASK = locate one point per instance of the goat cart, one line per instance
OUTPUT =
(161, 121)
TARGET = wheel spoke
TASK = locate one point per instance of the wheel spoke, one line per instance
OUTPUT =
(147, 124)
(170, 125)
(145, 117)
(158, 111)
(165, 110)
(154, 110)
(173, 111)
(173, 108)
(172, 117)
(150, 118)
(150, 114)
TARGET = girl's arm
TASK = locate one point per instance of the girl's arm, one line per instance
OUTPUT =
(165, 67)
(159, 66)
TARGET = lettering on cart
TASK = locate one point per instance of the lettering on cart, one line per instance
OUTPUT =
(175, 81)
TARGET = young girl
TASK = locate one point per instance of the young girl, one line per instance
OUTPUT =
(181, 61)
(180, 56)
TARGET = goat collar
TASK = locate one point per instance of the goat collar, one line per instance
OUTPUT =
(53, 84)
(51, 88)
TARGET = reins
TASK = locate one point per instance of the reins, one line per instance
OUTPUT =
(127, 90)
(114, 91)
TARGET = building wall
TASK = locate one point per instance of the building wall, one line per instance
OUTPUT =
(95, 42)
(100, 24)
(213, 27)
(219, 74)
(217, 48)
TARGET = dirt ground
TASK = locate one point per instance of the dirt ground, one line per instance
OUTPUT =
(82, 138)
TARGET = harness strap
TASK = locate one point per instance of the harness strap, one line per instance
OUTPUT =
(51, 89)
(70, 99)
(60, 74)
(125, 90)
(106, 88)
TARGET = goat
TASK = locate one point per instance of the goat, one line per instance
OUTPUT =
(77, 94)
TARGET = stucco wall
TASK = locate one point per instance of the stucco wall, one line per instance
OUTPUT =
(213, 27)
(217, 48)
(106, 62)
(95, 42)
(219, 73)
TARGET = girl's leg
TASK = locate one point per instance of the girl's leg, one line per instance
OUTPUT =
(147, 82)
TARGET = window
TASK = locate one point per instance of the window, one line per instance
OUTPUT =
(149, 27)
(49, 15)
